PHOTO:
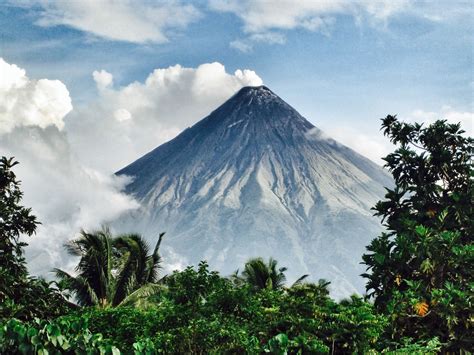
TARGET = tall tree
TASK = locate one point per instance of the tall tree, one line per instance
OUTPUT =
(15, 220)
(21, 296)
(420, 271)
(111, 270)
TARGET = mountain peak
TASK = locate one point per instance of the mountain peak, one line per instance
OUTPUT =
(258, 105)
(249, 180)
(255, 91)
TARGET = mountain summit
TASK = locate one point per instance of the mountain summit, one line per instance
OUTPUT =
(255, 178)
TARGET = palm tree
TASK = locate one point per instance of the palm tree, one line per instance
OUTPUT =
(112, 270)
(261, 275)
(138, 270)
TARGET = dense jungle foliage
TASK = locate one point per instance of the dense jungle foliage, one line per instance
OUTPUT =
(419, 279)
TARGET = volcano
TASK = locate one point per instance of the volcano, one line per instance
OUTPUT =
(255, 178)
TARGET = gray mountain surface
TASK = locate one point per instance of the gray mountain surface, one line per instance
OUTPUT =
(255, 178)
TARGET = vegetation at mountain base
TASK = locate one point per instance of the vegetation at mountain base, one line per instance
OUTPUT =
(419, 279)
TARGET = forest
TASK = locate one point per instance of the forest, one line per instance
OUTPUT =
(419, 279)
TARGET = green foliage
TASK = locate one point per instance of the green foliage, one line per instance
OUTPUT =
(21, 296)
(421, 269)
(419, 275)
(202, 312)
(62, 336)
(198, 311)
(261, 275)
(111, 270)
(15, 220)
(409, 347)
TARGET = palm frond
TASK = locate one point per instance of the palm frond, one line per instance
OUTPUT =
(84, 294)
(154, 262)
(141, 294)
(300, 280)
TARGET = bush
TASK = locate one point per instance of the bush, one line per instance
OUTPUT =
(201, 312)
(62, 336)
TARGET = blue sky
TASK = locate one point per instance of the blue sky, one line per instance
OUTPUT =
(88, 86)
(342, 64)
(350, 71)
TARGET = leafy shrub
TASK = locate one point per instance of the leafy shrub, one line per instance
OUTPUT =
(63, 336)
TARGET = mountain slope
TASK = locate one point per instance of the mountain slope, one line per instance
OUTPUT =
(255, 178)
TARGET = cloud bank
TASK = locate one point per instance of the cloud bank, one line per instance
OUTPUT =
(67, 156)
(127, 122)
(65, 194)
(375, 147)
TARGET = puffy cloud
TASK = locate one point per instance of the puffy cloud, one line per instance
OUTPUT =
(132, 21)
(66, 173)
(26, 102)
(125, 123)
(103, 79)
(122, 115)
(65, 194)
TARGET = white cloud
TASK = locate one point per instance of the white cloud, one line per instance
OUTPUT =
(65, 194)
(383, 9)
(122, 115)
(103, 79)
(246, 45)
(127, 122)
(263, 15)
(124, 20)
(377, 146)
(446, 113)
(268, 37)
(241, 45)
(26, 102)
(66, 174)
(374, 147)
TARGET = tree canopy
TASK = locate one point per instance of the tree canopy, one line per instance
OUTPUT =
(111, 270)
(21, 296)
(421, 268)
(419, 278)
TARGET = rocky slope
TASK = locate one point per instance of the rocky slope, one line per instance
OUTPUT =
(255, 178)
